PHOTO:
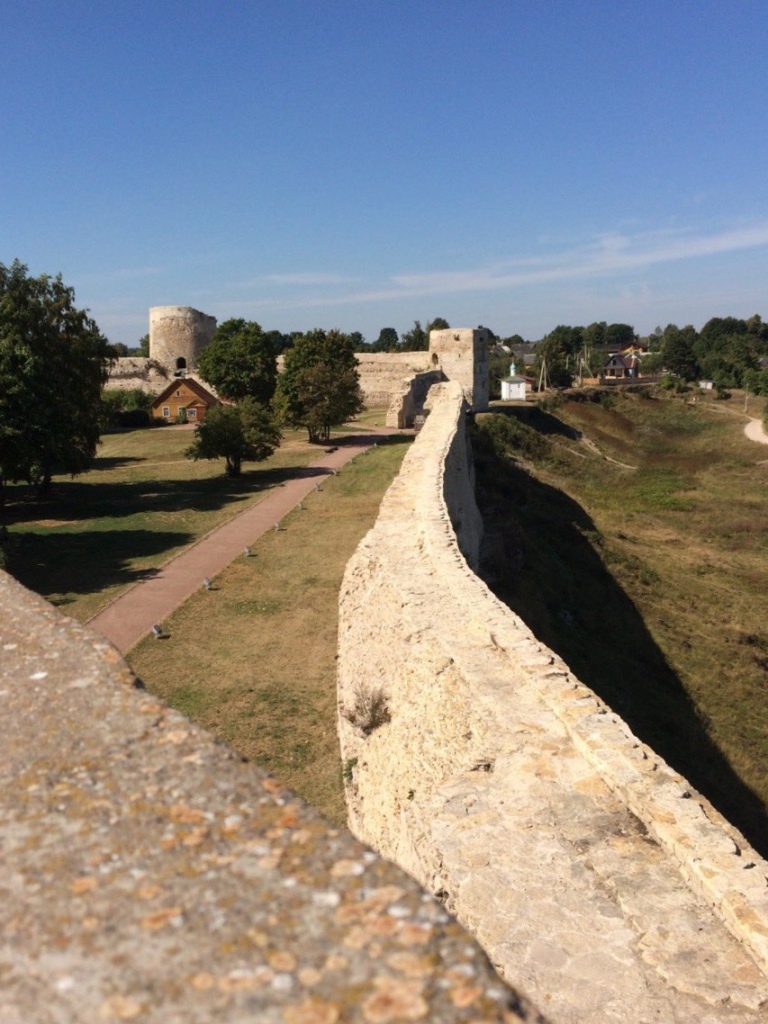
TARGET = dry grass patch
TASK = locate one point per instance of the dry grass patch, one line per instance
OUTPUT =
(648, 581)
(253, 660)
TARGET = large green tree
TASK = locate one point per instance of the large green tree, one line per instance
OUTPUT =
(415, 340)
(619, 335)
(319, 387)
(556, 354)
(246, 432)
(387, 340)
(678, 352)
(54, 362)
(240, 361)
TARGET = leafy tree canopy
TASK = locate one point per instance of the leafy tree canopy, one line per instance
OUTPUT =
(677, 349)
(594, 334)
(240, 361)
(319, 387)
(54, 362)
(619, 335)
(246, 432)
(721, 326)
(438, 324)
(556, 353)
(279, 341)
(564, 339)
(415, 340)
(387, 340)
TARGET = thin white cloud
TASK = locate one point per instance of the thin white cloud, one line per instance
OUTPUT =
(608, 254)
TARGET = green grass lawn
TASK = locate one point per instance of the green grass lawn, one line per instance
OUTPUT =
(253, 660)
(648, 573)
(138, 507)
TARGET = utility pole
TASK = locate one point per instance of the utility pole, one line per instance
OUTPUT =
(543, 372)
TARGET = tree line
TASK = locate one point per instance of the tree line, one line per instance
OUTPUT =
(726, 350)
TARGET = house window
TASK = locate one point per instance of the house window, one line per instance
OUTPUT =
(178, 394)
(191, 414)
(166, 412)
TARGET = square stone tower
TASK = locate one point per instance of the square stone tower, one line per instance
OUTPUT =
(462, 354)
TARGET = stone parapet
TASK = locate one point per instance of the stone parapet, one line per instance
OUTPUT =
(382, 373)
(151, 875)
(593, 874)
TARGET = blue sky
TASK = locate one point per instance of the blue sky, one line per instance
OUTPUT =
(359, 164)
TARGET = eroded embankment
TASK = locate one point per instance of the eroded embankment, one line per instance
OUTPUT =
(592, 873)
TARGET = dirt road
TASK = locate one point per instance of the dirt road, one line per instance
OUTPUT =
(756, 432)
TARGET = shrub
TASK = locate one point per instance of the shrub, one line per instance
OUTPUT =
(369, 710)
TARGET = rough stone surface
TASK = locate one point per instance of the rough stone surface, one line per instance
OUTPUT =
(178, 333)
(129, 372)
(150, 875)
(408, 402)
(462, 354)
(589, 870)
(382, 373)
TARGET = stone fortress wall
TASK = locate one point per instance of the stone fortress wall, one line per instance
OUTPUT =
(153, 876)
(150, 875)
(397, 381)
(592, 873)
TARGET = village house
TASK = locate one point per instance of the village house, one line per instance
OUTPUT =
(621, 367)
(185, 396)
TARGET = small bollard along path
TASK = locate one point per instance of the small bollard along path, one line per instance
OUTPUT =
(133, 614)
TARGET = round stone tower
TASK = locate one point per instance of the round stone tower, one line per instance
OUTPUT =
(177, 336)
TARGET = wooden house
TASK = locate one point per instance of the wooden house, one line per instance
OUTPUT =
(185, 394)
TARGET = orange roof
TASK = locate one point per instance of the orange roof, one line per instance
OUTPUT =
(202, 395)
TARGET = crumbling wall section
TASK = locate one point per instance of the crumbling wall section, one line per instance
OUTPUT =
(382, 374)
(408, 403)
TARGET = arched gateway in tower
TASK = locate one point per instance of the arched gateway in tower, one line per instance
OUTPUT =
(177, 336)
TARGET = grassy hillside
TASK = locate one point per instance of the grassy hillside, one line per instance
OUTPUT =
(631, 533)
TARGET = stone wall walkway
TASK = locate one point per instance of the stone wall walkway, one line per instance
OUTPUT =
(592, 874)
(131, 615)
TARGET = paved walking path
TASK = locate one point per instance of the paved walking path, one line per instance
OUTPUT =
(131, 615)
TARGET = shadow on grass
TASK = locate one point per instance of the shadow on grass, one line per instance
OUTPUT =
(350, 440)
(544, 422)
(87, 498)
(87, 561)
(540, 559)
(107, 462)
